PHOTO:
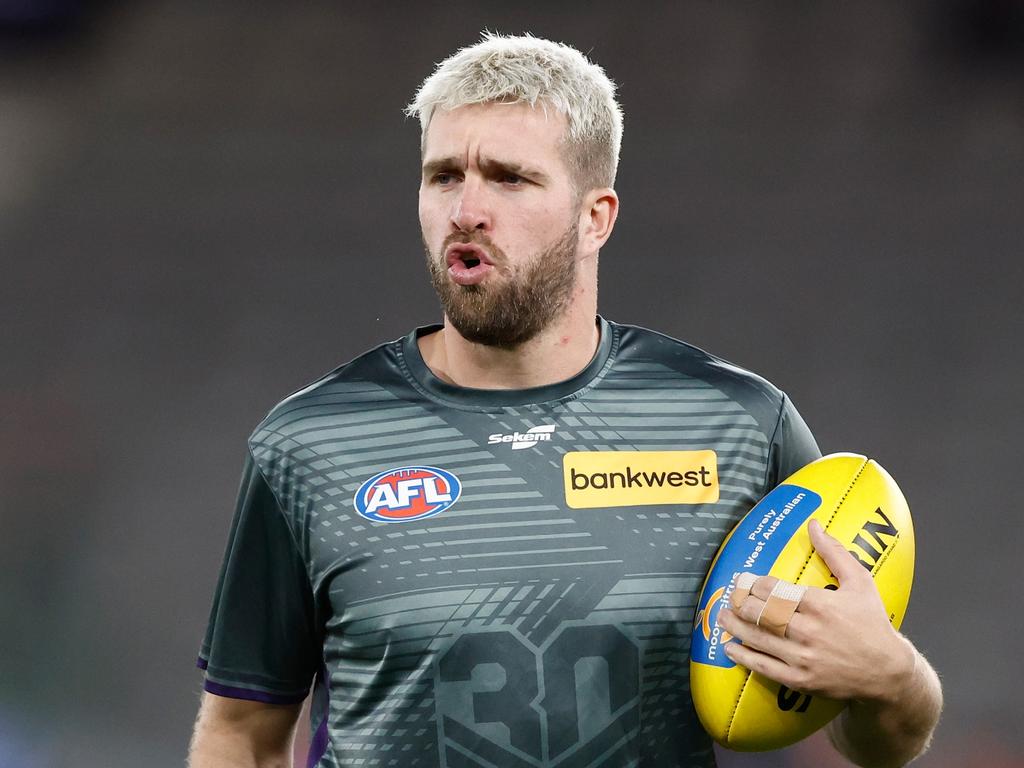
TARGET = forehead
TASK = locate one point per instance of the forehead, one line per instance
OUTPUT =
(496, 130)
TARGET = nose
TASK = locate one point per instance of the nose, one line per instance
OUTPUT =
(470, 209)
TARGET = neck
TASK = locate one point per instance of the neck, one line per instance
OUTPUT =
(555, 354)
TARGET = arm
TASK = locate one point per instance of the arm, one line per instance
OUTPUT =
(234, 733)
(263, 628)
(840, 644)
(892, 730)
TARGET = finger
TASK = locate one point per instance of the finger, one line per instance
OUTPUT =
(801, 629)
(814, 599)
(843, 565)
(750, 609)
(764, 664)
(763, 587)
(741, 589)
(775, 608)
(780, 607)
(755, 637)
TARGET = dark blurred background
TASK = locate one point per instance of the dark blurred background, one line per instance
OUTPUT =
(204, 206)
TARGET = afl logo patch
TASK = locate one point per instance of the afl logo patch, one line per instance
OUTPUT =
(407, 493)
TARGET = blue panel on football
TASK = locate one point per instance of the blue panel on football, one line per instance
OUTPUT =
(754, 546)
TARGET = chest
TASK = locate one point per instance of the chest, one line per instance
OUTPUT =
(428, 498)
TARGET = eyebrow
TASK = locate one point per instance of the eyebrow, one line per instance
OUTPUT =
(442, 164)
(490, 167)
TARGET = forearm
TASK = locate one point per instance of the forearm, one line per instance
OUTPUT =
(892, 730)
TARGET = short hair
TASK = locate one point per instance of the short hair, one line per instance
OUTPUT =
(531, 70)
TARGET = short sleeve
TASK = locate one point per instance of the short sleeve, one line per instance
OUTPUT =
(262, 642)
(793, 446)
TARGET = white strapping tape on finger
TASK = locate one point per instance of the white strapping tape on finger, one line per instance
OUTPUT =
(780, 606)
(740, 592)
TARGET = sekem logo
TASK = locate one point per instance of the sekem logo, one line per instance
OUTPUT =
(527, 439)
(407, 493)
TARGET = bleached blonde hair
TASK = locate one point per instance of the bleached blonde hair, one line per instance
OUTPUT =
(538, 72)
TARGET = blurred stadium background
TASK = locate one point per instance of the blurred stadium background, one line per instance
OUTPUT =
(205, 205)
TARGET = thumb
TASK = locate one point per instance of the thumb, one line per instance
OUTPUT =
(843, 565)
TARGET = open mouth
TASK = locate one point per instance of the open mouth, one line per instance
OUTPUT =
(468, 263)
(469, 254)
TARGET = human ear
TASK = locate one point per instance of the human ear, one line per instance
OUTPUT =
(598, 211)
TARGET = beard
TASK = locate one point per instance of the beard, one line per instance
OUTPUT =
(515, 307)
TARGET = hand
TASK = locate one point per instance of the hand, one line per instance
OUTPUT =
(839, 643)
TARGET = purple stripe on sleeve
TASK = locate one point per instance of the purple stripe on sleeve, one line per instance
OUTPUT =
(318, 746)
(250, 695)
(202, 663)
(320, 705)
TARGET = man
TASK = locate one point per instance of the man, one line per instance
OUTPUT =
(484, 540)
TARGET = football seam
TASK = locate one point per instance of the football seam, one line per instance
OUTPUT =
(832, 517)
(736, 706)
(835, 511)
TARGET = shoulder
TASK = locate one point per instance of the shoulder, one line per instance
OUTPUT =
(640, 346)
(364, 384)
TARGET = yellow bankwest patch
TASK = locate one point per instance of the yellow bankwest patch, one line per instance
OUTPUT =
(631, 478)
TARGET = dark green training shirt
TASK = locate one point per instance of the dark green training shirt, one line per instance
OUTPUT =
(493, 577)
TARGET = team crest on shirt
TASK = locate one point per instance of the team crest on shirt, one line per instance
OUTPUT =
(407, 493)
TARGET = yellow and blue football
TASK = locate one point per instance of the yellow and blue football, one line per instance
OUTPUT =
(857, 502)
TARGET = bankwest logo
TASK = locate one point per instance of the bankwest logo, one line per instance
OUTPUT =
(527, 439)
(632, 478)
